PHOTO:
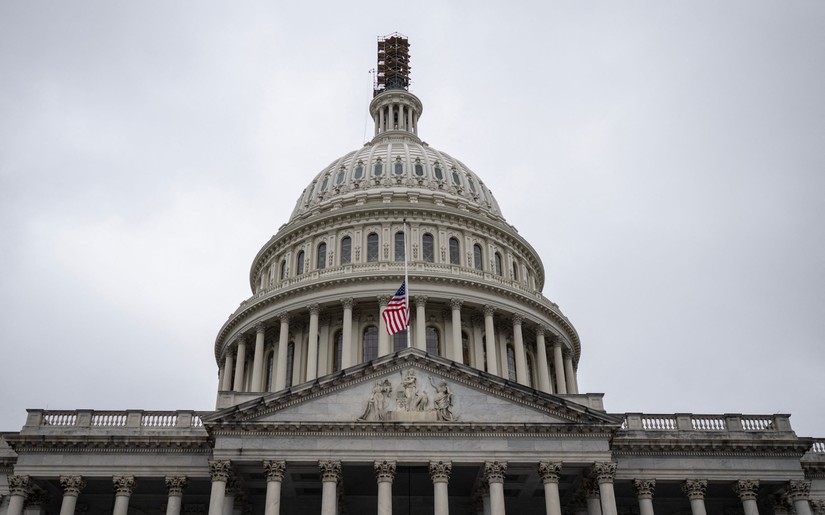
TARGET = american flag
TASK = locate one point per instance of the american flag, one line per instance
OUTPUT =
(395, 314)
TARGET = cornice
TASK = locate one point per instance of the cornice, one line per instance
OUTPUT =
(110, 444)
(729, 445)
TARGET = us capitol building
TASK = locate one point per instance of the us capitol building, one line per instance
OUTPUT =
(321, 411)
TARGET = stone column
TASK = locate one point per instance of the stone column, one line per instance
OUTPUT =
(384, 345)
(518, 347)
(549, 472)
(219, 470)
(570, 375)
(228, 367)
(312, 352)
(384, 473)
(541, 357)
(644, 492)
(440, 474)
(20, 487)
(695, 490)
(174, 492)
(458, 351)
(818, 506)
(799, 493)
(747, 490)
(240, 363)
(592, 497)
(330, 474)
(71, 485)
(123, 490)
(420, 322)
(283, 343)
(558, 366)
(346, 346)
(494, 473)
(605, 472)
(258, 360)
(275, 471)
(490, 339)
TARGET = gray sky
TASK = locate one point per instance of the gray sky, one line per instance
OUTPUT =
(666, 160)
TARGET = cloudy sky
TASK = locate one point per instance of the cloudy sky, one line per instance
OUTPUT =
(666, 159)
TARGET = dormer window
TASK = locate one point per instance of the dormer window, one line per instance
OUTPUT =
(325, 183)
(378, 169)
(439, 174)
(456, 177)
(359, 171)
(398, 168)
(472, 184)
(419, 168)
(339, 179)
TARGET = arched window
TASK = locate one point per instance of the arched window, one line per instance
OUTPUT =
(321, 259)
(283, 269)
(399, 246)
(399, 341)
(465, 348)
(498, 263)
(455, 252)
(290, 361)
(427, 248)
(419, 169)
(515, 270)
(372, 247)
(337, 347)
(370, 343)
(478, 262)
(433, 341)
(471, 184)
(511, 363)
(299, 265)
(346, 250)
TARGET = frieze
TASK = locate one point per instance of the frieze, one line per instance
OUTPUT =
(412, 403)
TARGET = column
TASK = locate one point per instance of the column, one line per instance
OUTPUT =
(570, 375)
(346, 350)
(239, 364)
(312, 351)
(440, 474)
(592, 497)
(644, 493)
(818, 506)
(174, 492)
(380, 127)
(695, 490)
(490, 339)
(71, 485)
(799, 493)
(384, 474)
(219, 470)
(228, 368)
(458, 351)
(518, 347)
(258, 360)
(494, 472)
(549, 473)
(558, 365)
(541, 357)
(747, 490)
(283, 343)
(420, 322)
(123, 490)
(384, 345)
(330, 474)
(274, 471)
(20, 488)
(231, 496)
(605, 472)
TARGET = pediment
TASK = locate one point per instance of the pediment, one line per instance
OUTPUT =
(410, 387)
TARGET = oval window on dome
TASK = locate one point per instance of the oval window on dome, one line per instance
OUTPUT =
(399, 168)
(419, 170)
(439, 175)
(359, 171)
(339, 179)
(378, 169)
(472, 184)
(456, 177)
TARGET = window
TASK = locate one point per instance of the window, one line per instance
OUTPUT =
(378, 169)
(359, 171)
(346, 250)
(290, 360)
(337, 346)
(511, 363)
(439, 175)
(399, 246)
(370, 343)
(465, 348)
(372, 247)
(399, 168)
(498, 263)
(515, 270)
(399, 341)
(283, 269)
(321, 258)
(340, 177)
(433, 341)
(325, 183)
(454, 252)
(531, 370)
(472, 184)
(456, 177)
(270, 371)
(478, 263)
(427, 250)
(299, 266)
(419, 170)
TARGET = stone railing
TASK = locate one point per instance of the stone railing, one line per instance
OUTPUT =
(706, 423)
(136, 419)
(819, 446)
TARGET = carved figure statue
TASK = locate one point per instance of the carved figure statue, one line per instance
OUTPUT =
(409, 398)
(377, 404)
(443, 401)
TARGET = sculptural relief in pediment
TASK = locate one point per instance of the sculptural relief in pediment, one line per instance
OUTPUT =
(408, 401)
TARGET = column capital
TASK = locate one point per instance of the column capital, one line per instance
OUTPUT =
(540, 329)
(549, 471)
(591, 488)
(799, 490)
(383, 300)
(605, 471)
(260, 327)
(818, 506)
(175, 485)
(314, 309)
(330, 470)
(746, 489)
(124, 485)
(240, 339)
(494, 471)
(220, 470)
(489, 310)
(420, 300)
(283, 317)
(440, 471)
(695, 488)
(644, 488)
(275, 470)
(20, 485)
(384, 471)
(517, 319)
(347, 303)
(72, 485)
(456, 304)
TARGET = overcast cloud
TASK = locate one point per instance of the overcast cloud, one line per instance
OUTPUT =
(666, 160)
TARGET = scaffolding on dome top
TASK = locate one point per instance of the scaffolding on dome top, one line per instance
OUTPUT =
(393, 71)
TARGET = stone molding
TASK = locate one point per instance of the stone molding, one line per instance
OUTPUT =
(440, 471)
(124, 485)
(604, 471)
(695, 488)
(72, 485)
(746, 489)
(644, 488)
(330, 471)
(494, 471)
(175, 485)
(220, 470)
(20, 485)
(799, 490)
(384, 471)
(549, 471)
(275, 470)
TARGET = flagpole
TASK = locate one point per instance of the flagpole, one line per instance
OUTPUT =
(406, 284)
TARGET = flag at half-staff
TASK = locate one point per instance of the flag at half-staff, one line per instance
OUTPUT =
(396, 315)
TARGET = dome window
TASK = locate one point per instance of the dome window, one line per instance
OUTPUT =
(427, 248)
(283, 269)
(433, 341)
(478, 262)
(337, 345)
(439, 174)
(346, 250)
(399, 246)
(325, 183)
(370, 343)
(321, 258)
(339, 179)
(359, 171)
(511, 363)
(372, 247)
(515, 270)
(378, 169)
(456, 177)
(419, 169)
(398, 168)
(299, 264)
(472, 184)
(455, 252)
(497, 259)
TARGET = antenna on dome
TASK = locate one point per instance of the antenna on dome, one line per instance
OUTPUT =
(393, 71)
